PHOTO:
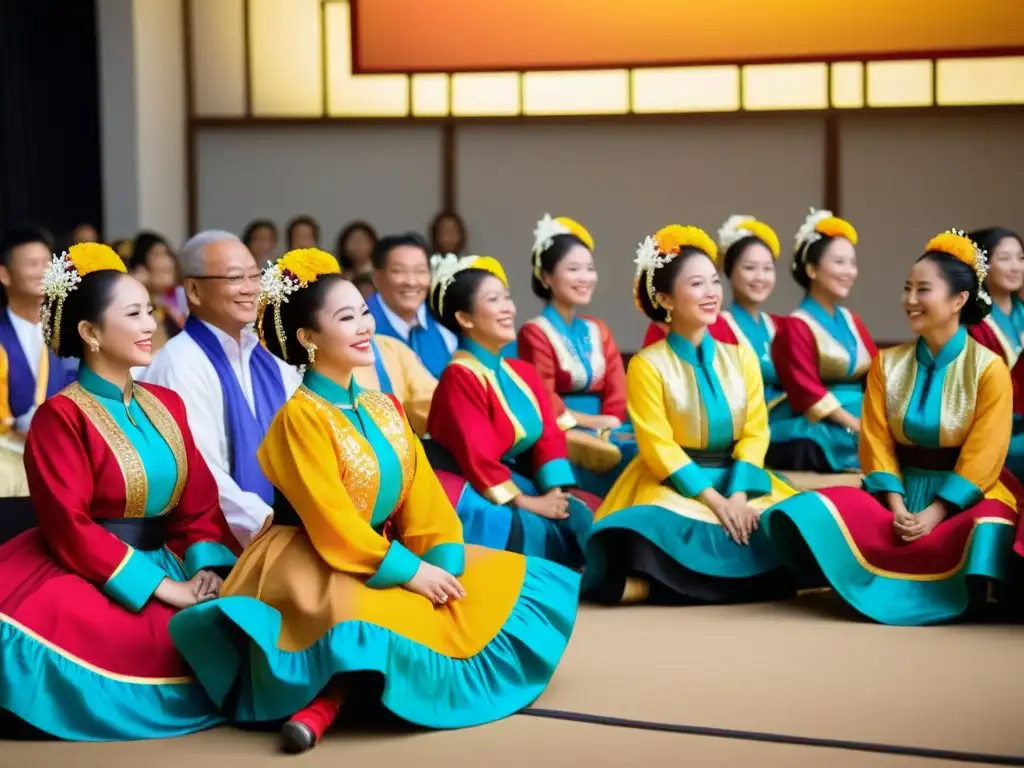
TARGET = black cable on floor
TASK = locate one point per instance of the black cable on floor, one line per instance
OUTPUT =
(778, 738)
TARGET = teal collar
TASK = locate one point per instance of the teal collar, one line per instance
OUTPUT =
(331, 391)
(740, 309)
(949, 352)
(96, 385)
(813, 308)
(478, 351)
(688, 352)
(555, 318)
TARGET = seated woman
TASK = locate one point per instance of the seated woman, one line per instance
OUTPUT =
(491, 424)
(364, 568)
(822, 353)
(936, 429)
(751, 250)
(576, 356)
(129, 524)
(681, 523)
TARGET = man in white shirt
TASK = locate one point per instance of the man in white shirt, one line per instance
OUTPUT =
(232, 387)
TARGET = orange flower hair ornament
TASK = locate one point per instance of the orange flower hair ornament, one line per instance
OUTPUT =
(62, 276)
(956, 243)
(281, 278)
(446, 267)
(817, 225)
(740, 226)
(657, 251)
(548, 229)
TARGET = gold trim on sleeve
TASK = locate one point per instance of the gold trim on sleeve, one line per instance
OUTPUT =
(502, 494)
(828, 404)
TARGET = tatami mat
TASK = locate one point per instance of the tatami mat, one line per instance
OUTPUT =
(812, 481)
(806, 667)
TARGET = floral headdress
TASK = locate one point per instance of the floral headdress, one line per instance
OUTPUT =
(445, 268)
(548, 229)
(657, 251)
(817, 225)
(280, 279)
(740, 226)
(956, 243)
(62, 276)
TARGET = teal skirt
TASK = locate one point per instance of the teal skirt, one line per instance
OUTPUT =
(837, 447)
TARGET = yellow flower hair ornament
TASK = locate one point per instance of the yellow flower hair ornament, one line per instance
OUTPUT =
(657, 251)
(548, 229)
(740, 226)
(62, 276)
(956, 243)
(445, 268)
(817, 225)
(281, 278)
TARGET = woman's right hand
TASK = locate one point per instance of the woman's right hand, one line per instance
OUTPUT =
(598, 422)
(177, 594)
(554, 505)
(435, 584)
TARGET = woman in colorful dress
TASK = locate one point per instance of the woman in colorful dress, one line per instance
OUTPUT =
(492, 425)
(681, 523)
(822, 353)
(130, 529)
(751, 249)
(576, 356)
(363, 569)
(936, 429)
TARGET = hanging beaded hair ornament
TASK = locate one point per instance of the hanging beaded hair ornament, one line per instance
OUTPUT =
(548, 229)
(445, 268)
(956, 243)
(62, 276)
(817, 225)
(740, 226)
(281, 278)
(657, 251)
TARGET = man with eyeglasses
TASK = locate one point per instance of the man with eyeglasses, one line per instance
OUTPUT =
(232, 387)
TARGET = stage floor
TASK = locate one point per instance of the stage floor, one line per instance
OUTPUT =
(804, 668)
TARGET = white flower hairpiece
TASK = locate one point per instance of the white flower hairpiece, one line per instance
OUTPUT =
(731, 232)
(59, 280)
(648, 259)
(444, 269)
(808, 232)
(545, 232)
(275, 288)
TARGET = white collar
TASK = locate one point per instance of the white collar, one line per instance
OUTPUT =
(249, 338)
(400, 324)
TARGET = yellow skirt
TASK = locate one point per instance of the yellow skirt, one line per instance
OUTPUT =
(296, 623)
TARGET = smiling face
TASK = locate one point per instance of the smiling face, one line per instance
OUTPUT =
(22, 278)
(492, 323)
(1006, 266)
(928, 299)
(405, 280)
(753, 274)
(696, 297)
(124, 333)
(344, 327)
(227, 296)
(836, 270)
(574, 278)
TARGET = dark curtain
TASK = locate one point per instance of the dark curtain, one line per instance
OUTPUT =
(49, 115)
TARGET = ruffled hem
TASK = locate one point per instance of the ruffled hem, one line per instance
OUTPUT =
(74, 701)
(421, 686)
(698, 546)
(803, 524)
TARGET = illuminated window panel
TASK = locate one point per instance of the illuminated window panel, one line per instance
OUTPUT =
(576, 93)
(485, 94)
(848, 84)
(284, 50)
(785, 86)
(430, 95)
(899, 84)
(980, 81)
(218, 57)
(686, 89)
(351, 95)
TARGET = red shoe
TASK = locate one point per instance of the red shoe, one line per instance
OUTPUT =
(307, 726)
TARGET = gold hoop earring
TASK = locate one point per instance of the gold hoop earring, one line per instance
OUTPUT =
(311, 353)
(668, 316)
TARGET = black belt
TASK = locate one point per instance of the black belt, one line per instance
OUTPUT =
(145, 533)
(934, 459)
(711, 459)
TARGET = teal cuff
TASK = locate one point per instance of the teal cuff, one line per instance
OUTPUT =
(134, 582)
(883, 482)
(959, 492)
(749, 479)
(447, 557)
(207, 554)
(398, 567)
(690, 480)
(557, 473)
